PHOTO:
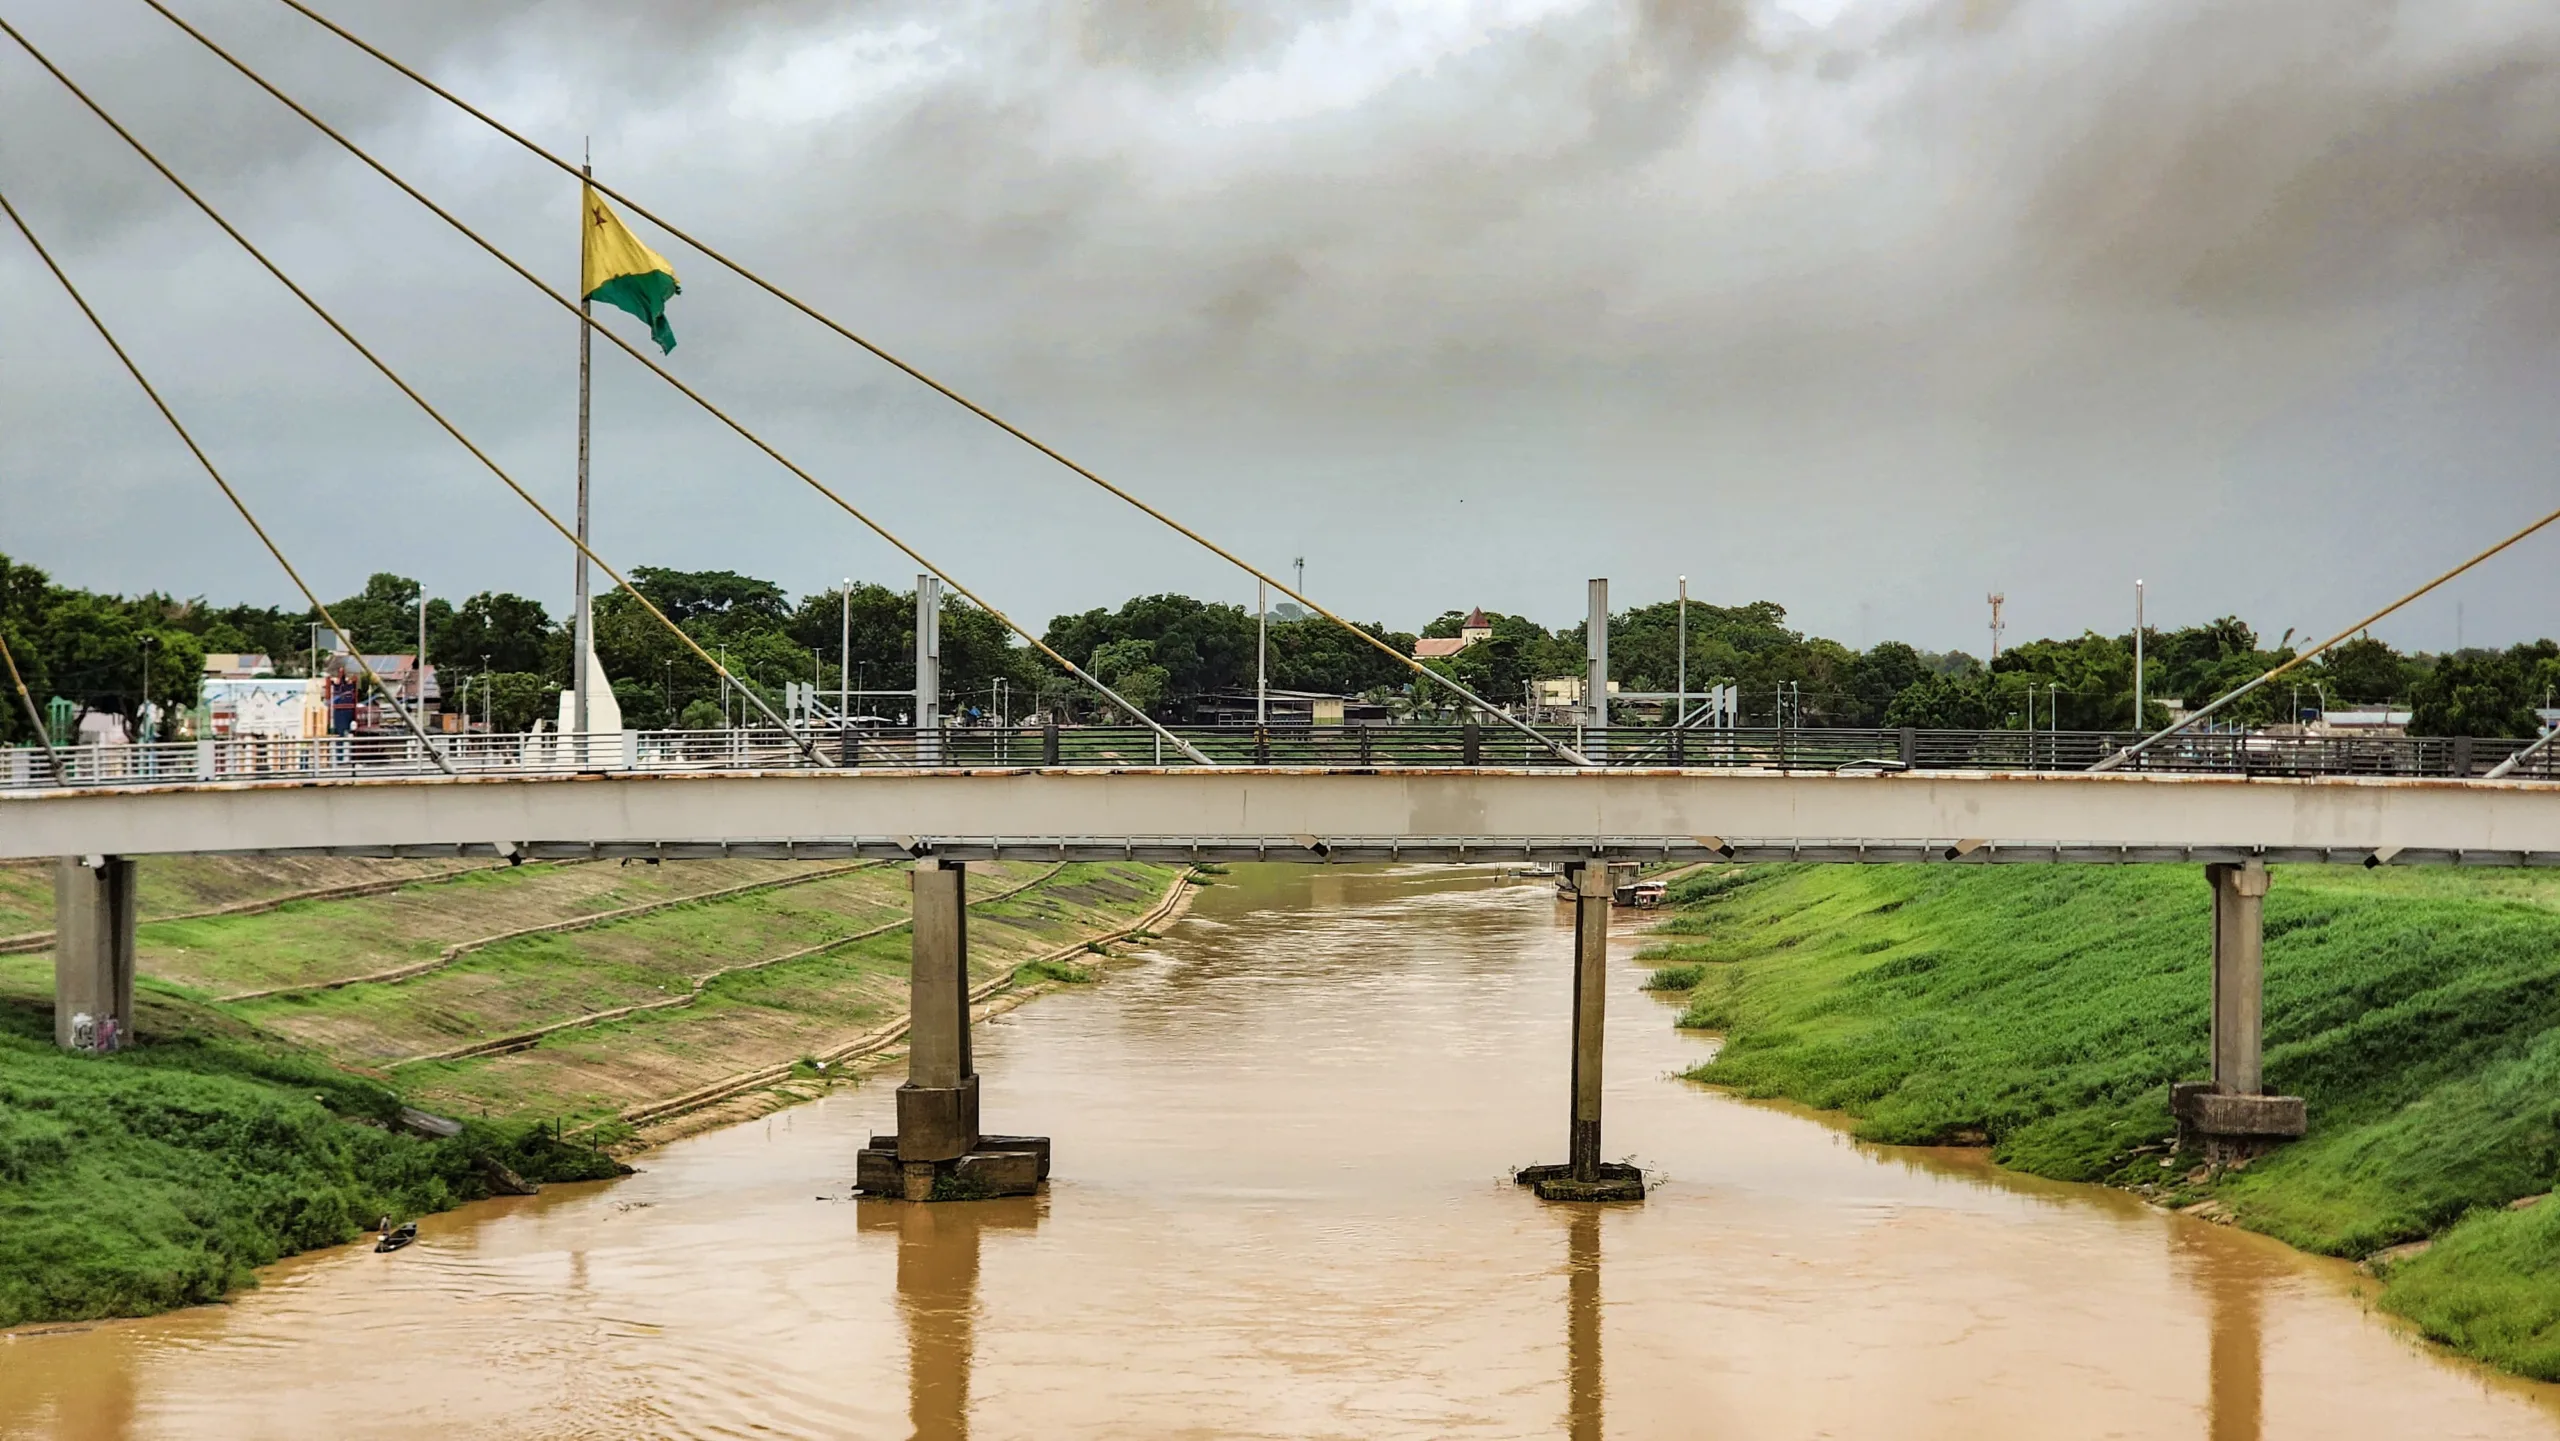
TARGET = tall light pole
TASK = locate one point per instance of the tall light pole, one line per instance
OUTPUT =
(142, 717)
(1683, 712)
(421, 666)
(1261, 652)
(844, 657)
(2137, 654)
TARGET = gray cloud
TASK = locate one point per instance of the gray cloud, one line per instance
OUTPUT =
(1866, 311)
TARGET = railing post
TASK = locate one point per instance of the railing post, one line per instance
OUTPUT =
(1908, 744)
(1049, 739)
(1471, 742)
(1262, 745)
(2462, 756)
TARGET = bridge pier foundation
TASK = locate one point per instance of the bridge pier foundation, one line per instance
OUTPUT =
(938, 1153)
(93, 914)
(1585, 1176)
(2231, 1117)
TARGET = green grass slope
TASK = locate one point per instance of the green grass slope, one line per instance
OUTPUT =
(163, 1176)
(2046, 1009)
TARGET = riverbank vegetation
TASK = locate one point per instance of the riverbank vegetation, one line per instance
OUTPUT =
(163, 1176)
(2045, 1010)
(260, 1114)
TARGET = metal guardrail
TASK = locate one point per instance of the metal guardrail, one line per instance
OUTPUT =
(1352, 747)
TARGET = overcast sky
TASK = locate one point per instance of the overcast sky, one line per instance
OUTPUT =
(1868, 307)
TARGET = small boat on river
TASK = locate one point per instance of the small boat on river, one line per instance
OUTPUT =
(397, 1237)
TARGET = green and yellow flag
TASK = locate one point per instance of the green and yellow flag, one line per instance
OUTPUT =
(622, 272)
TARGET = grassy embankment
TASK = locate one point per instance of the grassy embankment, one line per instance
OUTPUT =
(2044, 1010)
(247, 1128)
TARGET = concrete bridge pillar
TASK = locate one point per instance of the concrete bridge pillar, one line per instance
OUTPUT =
(938, 1152)
(2231, 1116)
(93, 913)
(1585, 1176)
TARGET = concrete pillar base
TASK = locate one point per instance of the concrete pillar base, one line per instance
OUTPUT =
(937, 1123)
(1612, 1181)
(997, 1166)
(2227, 1127)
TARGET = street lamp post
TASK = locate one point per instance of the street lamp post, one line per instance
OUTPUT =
(142, 717)
(2137, 655)
(1681, 716)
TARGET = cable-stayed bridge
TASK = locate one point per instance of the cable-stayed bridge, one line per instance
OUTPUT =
(1496, 787)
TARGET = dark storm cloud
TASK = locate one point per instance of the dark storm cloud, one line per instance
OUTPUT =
(1755, 272)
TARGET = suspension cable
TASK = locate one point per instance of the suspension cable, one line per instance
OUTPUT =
(229, 494)
(43, 735)
(954, 396)
(2147, 742)
(405, 388)
(681, 387)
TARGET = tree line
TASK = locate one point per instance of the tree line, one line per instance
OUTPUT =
(508, 656)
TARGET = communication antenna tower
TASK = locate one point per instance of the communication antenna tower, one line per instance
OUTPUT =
(1997, 624)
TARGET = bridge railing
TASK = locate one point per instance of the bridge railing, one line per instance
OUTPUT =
(1378, 747)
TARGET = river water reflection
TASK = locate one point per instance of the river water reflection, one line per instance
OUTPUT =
(1281, 1210)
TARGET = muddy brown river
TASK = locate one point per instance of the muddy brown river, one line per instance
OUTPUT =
(1281, 1210)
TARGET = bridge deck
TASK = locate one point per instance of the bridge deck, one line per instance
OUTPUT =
(1318, 814)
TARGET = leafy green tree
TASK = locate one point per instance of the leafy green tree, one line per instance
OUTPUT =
(517, 699)
(2365, 671)
(1314, 654)
(1947, 702)
(2088, 681)
(2474, 693)
(498, 630)
(722, 602)
(381, 619)
(1200, 647)
(1129, 667)
(1878, 678)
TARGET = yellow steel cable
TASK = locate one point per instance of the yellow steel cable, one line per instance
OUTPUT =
(43, 736)
(687, 391)
(228, 494)
(393, 376)
(954, 396)
(2147, 742)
